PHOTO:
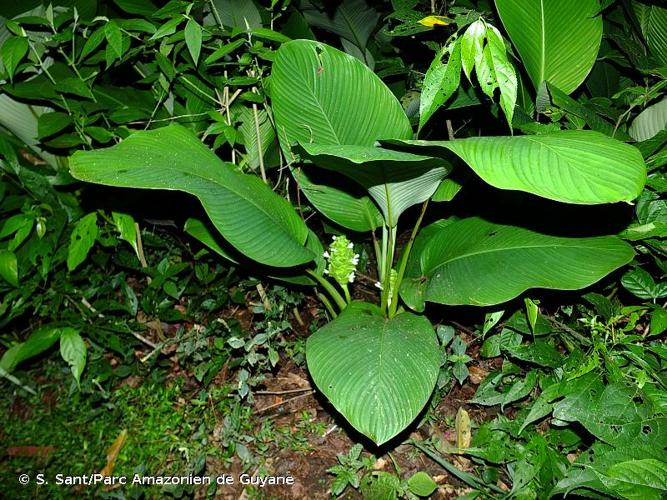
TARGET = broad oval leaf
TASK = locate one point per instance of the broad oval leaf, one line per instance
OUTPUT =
(475, 262)
(395, 180)
(322, 95)
(558, 40)
(325, 96)
(378, 373)
(256, 221)
(571, 166)
(200, 231)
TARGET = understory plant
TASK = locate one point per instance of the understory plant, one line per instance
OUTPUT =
(354, 155)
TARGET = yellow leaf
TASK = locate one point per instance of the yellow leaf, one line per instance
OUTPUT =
(463, 433)
(112, 453)
(432, 21)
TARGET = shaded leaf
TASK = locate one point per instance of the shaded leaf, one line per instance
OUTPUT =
(73, 351)
(475, 262)
(395, 180)
(250, 216)
(440, 82)
(193, 38)
(12, 52)
(82, 240)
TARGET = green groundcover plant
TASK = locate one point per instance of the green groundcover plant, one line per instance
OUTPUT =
(325, 123)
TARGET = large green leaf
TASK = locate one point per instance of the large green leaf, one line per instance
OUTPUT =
(593, 466)
(260, 224)
(650, 122)
(558, 40)
(378, 373)
(475, 262)
(611, 413)
(572, 166)
(641, 479)
(395, 180)
(325, 96)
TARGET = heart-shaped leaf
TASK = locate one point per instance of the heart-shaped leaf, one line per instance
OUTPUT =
(377, 372)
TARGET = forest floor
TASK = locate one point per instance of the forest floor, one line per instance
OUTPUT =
(162, 422)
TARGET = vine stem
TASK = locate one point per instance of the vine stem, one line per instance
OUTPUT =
(404, 261)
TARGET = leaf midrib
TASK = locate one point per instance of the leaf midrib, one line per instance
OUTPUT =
(543, 43)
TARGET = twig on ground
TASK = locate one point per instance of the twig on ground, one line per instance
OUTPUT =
(282, 403)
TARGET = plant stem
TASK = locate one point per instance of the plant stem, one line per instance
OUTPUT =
(378, 255)
(260, 154)
(338, 299)
(404, 261)
(327, 304)
(388, 261)
(346, 289)
(216, 14)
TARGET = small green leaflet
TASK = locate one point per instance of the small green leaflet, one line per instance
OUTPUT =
(13, 50)
(440, 82)
(126, 227)
(114, 37)
(73, 351)
(641, 283)
(82, 240)
(9, 267)
(193, 38)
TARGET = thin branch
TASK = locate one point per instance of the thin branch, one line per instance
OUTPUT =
(282, 403)
(289, 391)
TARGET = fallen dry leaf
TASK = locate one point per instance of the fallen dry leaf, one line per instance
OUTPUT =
(113, 451)
(30, 451)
